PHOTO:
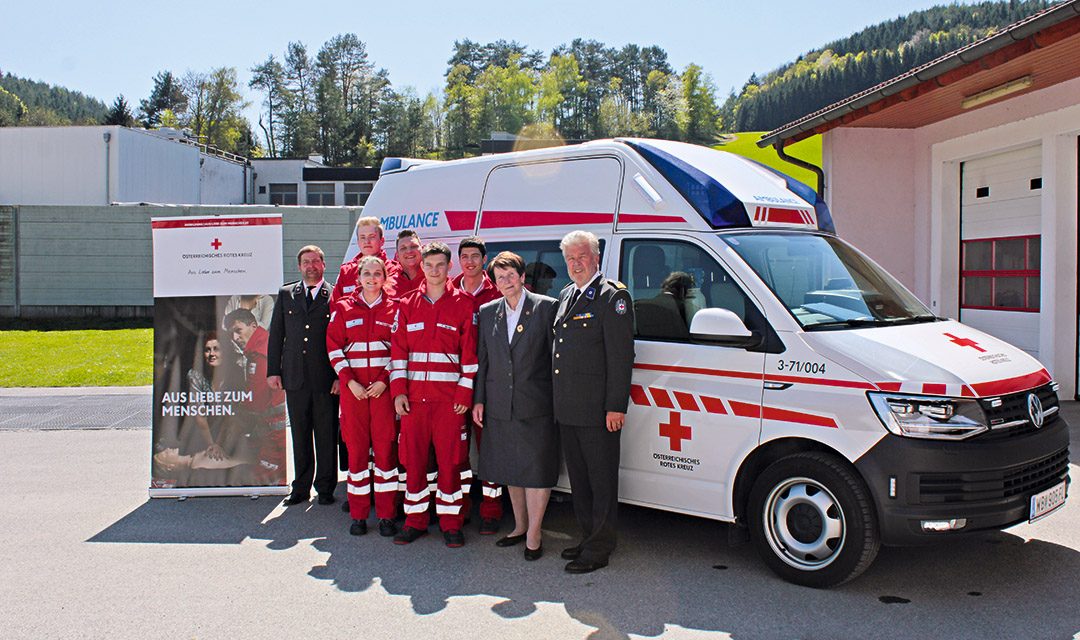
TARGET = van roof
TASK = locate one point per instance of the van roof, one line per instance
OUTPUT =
(727, 190)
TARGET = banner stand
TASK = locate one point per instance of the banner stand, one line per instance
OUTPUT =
(217, 492)
(219, 429)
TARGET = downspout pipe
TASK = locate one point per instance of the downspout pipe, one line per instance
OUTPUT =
(107, 136)
(818, 171)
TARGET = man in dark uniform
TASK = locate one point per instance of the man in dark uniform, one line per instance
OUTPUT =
(592, 361)
(298, 362)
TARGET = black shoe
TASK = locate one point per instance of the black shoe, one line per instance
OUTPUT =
(345, 505)
(358, 528)
(534, 554)
(489, 526)
(509, 541)
(585, 566)
(295, 499)
(454, 539)
(571, 553)
(326, 498)
(387, 528)
(409, 534)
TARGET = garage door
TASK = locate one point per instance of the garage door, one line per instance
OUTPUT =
(1000, 226)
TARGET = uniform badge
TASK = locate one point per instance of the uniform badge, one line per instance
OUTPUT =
(590, 293)
(520, 328)
(620, 307)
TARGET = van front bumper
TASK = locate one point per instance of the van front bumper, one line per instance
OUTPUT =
(987, 483)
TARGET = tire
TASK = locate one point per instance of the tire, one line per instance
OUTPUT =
(812, 520)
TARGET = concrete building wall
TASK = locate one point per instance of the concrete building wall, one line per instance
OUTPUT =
(56, 165)
(96, 260)
(269, 172)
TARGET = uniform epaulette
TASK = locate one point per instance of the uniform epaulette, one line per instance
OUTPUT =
(616, 284)
(293, 283)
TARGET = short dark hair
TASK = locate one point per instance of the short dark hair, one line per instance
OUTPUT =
(239, 315)
(408, 233)
(475, 242)
(433, 248)
(310, 249)
(508, 260)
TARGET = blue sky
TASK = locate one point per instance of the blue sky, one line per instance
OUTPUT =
(107, 48)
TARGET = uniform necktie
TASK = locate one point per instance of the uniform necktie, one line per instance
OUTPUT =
(573, 299)
(309, 297)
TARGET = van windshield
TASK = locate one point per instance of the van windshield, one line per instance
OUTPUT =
(825, 282)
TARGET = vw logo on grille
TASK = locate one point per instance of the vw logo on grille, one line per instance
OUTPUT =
(1035, 410)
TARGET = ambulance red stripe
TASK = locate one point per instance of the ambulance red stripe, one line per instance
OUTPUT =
(661, 398)
(460, 220)
(637, 218)
(786, 415)
(933, 389)
(686, 401)
(1012, 385)
(637, 395)
(785, 216)
(713, 405)
(502, 219)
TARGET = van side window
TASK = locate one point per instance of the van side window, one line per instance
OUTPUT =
(545, 268)
(670, 281)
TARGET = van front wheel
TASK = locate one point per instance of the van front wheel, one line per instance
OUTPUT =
(812, 520)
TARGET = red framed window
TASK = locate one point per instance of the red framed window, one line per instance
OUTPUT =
(1001, 274)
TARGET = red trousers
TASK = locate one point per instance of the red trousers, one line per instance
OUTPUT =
(368, 425)
(435, 424)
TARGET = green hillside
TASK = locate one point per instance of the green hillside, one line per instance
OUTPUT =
(745, 144)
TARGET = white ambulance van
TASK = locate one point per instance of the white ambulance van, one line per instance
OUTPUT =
(782, 381)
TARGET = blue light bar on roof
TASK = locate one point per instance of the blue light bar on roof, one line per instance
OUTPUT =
(716, 204)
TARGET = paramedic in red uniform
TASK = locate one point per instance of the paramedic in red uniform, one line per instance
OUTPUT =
(266, 409)
(408, 257)
(358, 342)
(433, 355)
(474, 281)
(369, 239)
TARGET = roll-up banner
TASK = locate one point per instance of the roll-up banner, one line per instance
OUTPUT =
(218, 428)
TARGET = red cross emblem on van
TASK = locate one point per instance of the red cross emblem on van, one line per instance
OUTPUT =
(964, 342)
(675, 431)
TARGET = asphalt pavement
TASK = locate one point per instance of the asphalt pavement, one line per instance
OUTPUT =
(87, 554)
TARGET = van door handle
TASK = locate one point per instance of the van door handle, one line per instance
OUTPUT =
(776, 386)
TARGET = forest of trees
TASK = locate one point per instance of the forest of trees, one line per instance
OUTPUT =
(338, 103)
(871, 56)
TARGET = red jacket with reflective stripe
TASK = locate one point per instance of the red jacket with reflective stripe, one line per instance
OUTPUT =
(403, 285)
(358, 339)
(487, 293)
(350, 274)
(433, 350)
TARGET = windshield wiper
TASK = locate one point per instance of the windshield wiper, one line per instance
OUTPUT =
(872, 322)
(852, 322)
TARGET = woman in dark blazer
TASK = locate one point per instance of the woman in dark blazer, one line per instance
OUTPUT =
(512, 400)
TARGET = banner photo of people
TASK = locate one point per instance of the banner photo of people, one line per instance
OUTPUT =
(218, 428)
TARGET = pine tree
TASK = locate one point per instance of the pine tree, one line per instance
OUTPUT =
(119, 113)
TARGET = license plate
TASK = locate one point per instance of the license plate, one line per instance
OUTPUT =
(1044, 503)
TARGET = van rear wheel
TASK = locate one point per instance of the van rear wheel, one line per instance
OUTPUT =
(812, 520)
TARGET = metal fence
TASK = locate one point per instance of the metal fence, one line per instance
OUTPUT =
(84, 261)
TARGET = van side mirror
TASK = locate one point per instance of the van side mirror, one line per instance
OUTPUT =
(722, 327)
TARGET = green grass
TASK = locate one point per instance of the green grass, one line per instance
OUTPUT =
(745, 144)
(76, 358)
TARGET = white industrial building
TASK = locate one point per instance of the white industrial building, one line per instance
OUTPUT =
(961, 177)
(112, 164)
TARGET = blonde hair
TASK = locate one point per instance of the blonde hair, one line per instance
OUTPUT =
(370, 221)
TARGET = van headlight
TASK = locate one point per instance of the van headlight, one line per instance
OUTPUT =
(929, 417)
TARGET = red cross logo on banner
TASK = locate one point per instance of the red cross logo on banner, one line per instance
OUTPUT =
(965, 342)
(216, 244)
(675, 431)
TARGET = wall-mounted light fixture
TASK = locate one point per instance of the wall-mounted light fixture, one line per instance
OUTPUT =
(1000, 91)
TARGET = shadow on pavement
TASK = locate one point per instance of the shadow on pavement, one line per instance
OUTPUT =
(668, 570)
